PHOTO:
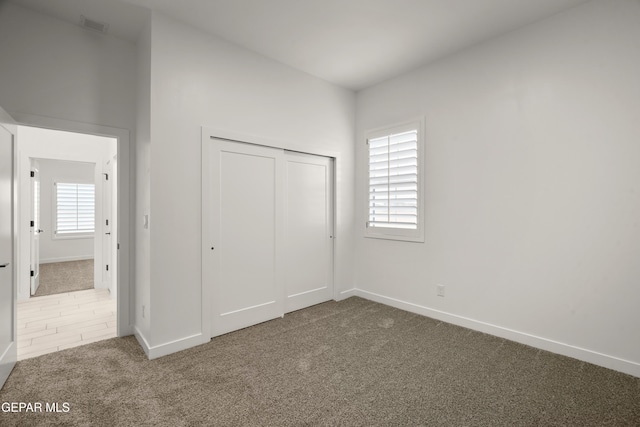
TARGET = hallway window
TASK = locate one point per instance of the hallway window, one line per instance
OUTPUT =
(75, 208)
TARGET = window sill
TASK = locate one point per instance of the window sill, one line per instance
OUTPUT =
(73, 236)
(388, 234)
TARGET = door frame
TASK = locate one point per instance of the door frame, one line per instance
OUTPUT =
(124, 238)
(9, 358)
(207, 135)
(109, 177)
(34, 241)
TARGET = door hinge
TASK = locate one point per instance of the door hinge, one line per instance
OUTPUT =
(107, 267)
(33, 174)
(33, 273)
(32, 223)
(118, 246)
(107, 222)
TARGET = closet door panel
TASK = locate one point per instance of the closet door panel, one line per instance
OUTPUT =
(309, 230)
(248, 287)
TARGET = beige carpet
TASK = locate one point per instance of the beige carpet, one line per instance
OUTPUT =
(353, 363)
(69, 276)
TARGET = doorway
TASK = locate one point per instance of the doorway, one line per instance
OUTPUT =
(62, 237)
(69, 296)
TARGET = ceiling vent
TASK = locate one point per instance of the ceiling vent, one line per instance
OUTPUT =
(90, 24)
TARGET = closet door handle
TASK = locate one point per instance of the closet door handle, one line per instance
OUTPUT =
(109, 234)
(4, 265)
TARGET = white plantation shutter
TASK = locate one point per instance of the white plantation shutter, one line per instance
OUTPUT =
(75, 208)
(394, 207)
(393, 181)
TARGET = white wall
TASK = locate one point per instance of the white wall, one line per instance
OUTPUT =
(40, 143)
(67, 249)
(143, 176)
(532, 186)
(55, 69)
(199, 80)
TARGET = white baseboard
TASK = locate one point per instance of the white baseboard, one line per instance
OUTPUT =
(346, 294)
(65, 259)
(141, 340)
(154, 352)
(585, 355)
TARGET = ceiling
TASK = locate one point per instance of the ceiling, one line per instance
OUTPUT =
(124, 20)
(352, 43)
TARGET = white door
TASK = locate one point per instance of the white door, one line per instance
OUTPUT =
(107, 267)
(246, 185)
(309, 230)
(35, 226)
(8, 289)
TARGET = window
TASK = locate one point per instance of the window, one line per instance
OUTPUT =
(395, 199)
(75, 209)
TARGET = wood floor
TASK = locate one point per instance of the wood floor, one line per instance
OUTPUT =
(56, 322)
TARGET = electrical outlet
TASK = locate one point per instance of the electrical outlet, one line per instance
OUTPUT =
(440, 290)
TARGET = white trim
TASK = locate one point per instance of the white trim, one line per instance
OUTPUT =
(65, 259)
(209, 133)
(73, 236)
(206, 231)
(583, 354)
(141, 340)
(346, 294)
(154, 352)
(125, 222)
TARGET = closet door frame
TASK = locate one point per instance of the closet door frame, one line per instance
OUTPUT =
(208, 140)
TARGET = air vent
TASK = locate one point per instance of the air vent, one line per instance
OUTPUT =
(92, 25)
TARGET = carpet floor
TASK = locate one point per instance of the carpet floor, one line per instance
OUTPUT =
(351, 363)
(61, 277)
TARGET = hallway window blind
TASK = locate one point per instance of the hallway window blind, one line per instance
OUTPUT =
(394, 202)
(75, 208)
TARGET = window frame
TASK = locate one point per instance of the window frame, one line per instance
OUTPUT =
(71, 234)
(390, 233)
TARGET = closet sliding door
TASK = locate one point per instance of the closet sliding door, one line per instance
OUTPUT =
(267, 232)
(246, 219)
(308, 230)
